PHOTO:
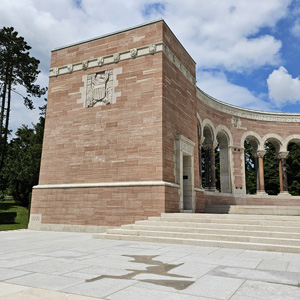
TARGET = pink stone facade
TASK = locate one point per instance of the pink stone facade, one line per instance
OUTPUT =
(137, 156)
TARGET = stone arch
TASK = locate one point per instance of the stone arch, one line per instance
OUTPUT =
(294, 138)
(254, 139)
(224, 139)
(276, 140)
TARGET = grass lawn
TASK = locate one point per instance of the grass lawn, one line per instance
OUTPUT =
(22, 215)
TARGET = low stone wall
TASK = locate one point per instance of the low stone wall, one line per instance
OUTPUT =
(258, 200)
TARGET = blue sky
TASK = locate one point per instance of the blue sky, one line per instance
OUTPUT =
(247, 52)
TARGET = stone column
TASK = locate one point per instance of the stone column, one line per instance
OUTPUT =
(212, 169)
(282, 172)
(206, 166)
(200, 164)
(260, 155)
(255, 161)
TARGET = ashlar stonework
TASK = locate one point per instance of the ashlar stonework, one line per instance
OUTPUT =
(127, 130)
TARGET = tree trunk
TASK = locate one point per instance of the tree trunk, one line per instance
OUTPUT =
(2, 110)
(4, 140)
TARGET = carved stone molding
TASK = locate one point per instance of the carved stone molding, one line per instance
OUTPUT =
(184, 144)
(261, 153)
(100, 61)
(70, 68)
(281, 155)
(116, 57)
(246, 113)
(152, 48)
(85, 65)
(129, 54)
(133, 53)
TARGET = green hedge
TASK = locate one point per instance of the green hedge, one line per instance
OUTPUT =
(7, 217)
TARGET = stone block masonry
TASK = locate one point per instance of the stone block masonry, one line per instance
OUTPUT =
(124, 125)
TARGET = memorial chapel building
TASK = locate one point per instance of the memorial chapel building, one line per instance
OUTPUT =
(127, 130)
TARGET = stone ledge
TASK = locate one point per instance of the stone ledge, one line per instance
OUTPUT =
(106, 184)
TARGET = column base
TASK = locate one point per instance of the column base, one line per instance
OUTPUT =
(285, 194)
(213, 190)
(261, 193)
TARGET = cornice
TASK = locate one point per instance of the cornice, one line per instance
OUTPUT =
(247, 113)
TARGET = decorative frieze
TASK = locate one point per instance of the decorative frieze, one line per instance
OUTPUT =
(246, 113)
(117, 57)
(109, 59)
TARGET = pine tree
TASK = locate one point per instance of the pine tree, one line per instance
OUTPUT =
(17, 68)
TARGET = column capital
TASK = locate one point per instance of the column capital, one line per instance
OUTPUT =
(282, 154)
(210, 145)
(260, 153)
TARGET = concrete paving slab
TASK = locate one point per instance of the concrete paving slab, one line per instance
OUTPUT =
(6, 273)
(224, 261)
(60, 263)
(100, 288)
(134, 292)
(51, 266)
(40, 294)
(46, 281)
(214, 287)
(193, 270)
(266, 291)
(92, 272)
(260, 275)
(271, 264)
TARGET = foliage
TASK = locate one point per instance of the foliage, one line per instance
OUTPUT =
(250, 169)
(21, 220)
(293, 169)
(21, 166)
(271, 170)
(17, 68)
(217, 168)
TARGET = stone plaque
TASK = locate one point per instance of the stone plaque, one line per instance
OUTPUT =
(99, 89)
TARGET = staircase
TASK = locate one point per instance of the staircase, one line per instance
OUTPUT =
(251, 232)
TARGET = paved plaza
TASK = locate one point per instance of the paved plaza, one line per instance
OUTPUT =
(59, 265)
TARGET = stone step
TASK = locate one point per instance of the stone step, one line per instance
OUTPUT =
(203, 236)
(212, 219)
(254, 232)
(221, 230)
(252, 209)
(220, 226)
(203, 243)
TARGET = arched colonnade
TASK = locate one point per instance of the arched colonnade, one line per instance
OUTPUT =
(211, 138)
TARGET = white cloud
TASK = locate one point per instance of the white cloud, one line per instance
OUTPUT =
(283, 88)
(296, 29)
(217, 34)
(217, 85)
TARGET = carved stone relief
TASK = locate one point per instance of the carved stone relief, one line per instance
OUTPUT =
(152, 49)
(99, 89)
(100, 61)
(133, 53)
(236, 122)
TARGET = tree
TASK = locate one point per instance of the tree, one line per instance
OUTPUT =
(250, 169)
(271, 170)
(17, 68)
(293, 169)
(22, 163)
